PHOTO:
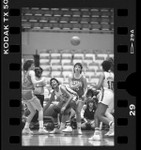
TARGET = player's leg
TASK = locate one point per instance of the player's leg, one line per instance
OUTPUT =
(80, 104)
(66, 120)
(109, 115)
(100, 113)
(26, 129)
(84, 126)
(37, 105)
(52, 111)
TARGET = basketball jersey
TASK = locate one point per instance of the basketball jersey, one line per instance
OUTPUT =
(27, 83)
(27, 87)
(108, 82)
(62, 95)
(80, 85)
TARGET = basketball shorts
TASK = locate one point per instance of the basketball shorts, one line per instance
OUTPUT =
(106, 97)
(27, 95)
(35, 102)
(54, 109)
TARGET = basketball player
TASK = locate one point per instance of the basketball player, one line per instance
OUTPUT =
(32, 102)
(66, 98)
(38, 90)
(77, 83)
(106, 98)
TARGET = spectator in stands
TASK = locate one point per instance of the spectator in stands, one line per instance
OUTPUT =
(88, 117)
(89, 109)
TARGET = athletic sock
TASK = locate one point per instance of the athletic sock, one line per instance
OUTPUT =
(68, 123)
(96, 130)
(41, 124)
(78, 125)
(56, 125)
(62, 125)
(26, 125)
(110, 123)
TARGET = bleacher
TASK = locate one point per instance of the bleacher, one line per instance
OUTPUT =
(70, 19)
(60, 65)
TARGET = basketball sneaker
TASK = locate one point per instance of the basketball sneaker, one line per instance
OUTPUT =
(42, 131)
(111, 130)
(27, 131)
(67, 129)
(96, 136)
(79, 131)
(55, 131)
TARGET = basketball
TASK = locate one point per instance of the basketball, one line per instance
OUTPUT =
(75, 40)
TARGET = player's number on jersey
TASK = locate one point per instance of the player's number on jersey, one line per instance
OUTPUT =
(110, 85)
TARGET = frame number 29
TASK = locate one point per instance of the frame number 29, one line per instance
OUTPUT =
(132, 109)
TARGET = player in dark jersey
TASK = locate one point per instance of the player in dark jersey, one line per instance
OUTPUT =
(32, 102)
(77, 83)
(67, 99)
(106, 101)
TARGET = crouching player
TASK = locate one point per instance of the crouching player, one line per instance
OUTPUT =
(67, 99)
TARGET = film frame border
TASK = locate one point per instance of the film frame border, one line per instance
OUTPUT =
(124, 23)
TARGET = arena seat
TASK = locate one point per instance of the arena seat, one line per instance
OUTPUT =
(56, 74)
(55, 56)
(67, 67)
(44, 61)
(55, 61)
(57, 13)
(45, 67)
(95, 26)
(105, 26)
(78, 56)
(46, 74)
(66, 61)
(111, 55)
(98, 61)
(60, 79)
(74, 18)
(66, 73)
(77, 61)
(66, 81)
(66, 56)
(89, 74)
(56, 67)
(103, 56)
(93, 67)
(26, 25)
(44, 55)
(105, 19)
(76, 25)
(89, 56)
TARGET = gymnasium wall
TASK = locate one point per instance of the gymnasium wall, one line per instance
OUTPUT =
(47, 40)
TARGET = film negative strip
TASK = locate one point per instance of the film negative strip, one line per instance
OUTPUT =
(24, 25)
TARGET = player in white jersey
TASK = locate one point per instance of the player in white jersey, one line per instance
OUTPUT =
(106, 100)
(67, 99)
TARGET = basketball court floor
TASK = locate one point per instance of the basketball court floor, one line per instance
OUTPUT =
(63, 139)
